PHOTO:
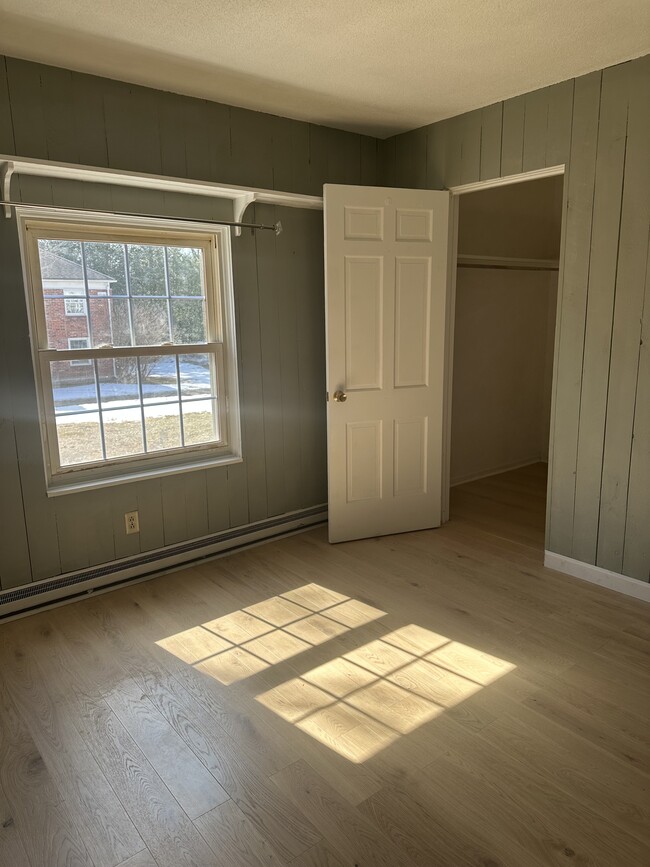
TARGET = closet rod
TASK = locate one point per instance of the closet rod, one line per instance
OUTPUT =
(276, 227)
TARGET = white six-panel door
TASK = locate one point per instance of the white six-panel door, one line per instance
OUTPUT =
(386, 263)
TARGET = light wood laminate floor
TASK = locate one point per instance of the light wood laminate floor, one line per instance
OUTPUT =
(435, 698)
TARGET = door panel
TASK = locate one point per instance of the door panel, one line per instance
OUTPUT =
(386, 262)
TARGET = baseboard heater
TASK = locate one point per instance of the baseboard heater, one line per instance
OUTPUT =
(75, 585)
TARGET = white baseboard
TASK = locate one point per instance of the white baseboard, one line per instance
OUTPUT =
(495, 471)
(595, 575)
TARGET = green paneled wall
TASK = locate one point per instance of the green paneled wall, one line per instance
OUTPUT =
(599, 127)
(51, 113)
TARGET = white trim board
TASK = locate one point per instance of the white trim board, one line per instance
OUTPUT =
(595, 575)
(520, 177)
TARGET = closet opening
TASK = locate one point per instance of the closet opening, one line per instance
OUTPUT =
(502, 356)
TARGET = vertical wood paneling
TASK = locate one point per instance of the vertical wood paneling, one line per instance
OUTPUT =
(7, 143)
(535, 128)
(560, 113)
(171, 110)
(151, 515)
(310, 304)
(368, 171)
(386, 161)
(454, 152)
(512, 141)
(85, 530)
(89, 127)
(636, 558)
(27, 115)
(15, 567)
(217, 120)
(572, 310)
(411, 159)
(251, 136)
(270, 335)
(59, 116)
(343, 158)
(436, 155)
(318, 145)
(471, 127)
(622, 394)
(132, 130)
(288, 251)
(39, 513)
(610, 159)
(492, 120)
(247, 481)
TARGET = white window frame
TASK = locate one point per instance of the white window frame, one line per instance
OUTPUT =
(79, 362)
(220, 344)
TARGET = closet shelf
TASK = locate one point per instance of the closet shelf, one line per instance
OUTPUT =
(507, 262)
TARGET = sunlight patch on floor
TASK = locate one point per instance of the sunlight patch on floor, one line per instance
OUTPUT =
(245, 642)
(362, 701)
(357, 703)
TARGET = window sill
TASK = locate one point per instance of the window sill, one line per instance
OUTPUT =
(75, 487)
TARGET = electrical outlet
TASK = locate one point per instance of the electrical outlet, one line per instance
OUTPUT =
(132, 521)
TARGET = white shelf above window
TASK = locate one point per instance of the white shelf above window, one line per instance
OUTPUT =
(241, 196)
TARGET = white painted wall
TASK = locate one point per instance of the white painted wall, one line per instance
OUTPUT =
(503, 362)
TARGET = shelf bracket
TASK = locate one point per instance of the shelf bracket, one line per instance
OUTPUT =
(239, 206)
(6, 171)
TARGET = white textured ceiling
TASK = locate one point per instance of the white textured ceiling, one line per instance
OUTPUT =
(376, 66)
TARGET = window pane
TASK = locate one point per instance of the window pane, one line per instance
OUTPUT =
(163, 427)
(61, 326)
(185, 271)
(73, 387)
(196, 375)
(147, 269)
(158, 376)
(110, 321)
(123, 432)
(105, 268)
(118, 382)
(150, 321)
(188, 320)
(200, 421)
(79, 438)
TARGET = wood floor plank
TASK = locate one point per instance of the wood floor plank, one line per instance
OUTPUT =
(195, 789)
(318, 856)
(234, 840)
(355, 839)
(162, 824)
(42, 819)
(12, 850)
(141, 859)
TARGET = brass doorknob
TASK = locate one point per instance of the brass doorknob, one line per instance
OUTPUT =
(340, 396)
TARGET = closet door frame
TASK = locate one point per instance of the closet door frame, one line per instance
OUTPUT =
(456, 193)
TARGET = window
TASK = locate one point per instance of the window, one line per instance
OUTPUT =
(79, 343)
(75, 306)
(139, 375)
